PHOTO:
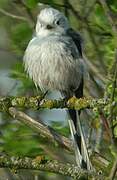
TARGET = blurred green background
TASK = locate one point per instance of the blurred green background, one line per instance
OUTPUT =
(17, 23)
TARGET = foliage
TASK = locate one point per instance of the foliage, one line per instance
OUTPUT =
(99, 47)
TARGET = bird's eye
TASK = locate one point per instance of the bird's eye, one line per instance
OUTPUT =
(49, 26)
(58, 22)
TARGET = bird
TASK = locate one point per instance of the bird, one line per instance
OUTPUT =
(54, 61)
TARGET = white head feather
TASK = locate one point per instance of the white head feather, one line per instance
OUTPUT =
(51, 21)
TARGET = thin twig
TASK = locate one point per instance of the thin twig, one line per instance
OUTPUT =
(75, 12)
(90, 9)
(66, 10)
(95, 46)
(108, 15)
(105, 122)
(113, 96)
(113, 170)
(29, 13)
(12, 15)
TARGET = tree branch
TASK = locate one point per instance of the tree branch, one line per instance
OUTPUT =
(45, 131)
(40, 163)
(42, 129)
(37, 102)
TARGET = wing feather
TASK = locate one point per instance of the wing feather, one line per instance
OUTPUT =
(76, 37)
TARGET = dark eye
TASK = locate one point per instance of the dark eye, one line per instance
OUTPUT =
(58, 22)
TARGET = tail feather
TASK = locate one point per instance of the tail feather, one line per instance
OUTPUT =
(84, 150)
(81, 152)
(77, 150)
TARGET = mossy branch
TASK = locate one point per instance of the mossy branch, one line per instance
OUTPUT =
(39, 163)
(37, 102)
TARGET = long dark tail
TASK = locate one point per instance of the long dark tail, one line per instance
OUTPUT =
(81, 153)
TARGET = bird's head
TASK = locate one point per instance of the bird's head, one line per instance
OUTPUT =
(51, 21)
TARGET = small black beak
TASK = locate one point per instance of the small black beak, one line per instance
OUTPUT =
(49, 27)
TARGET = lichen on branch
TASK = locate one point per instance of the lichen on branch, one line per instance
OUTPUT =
(39, 163)
(37, 102)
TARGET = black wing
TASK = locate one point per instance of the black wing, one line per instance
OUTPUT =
(76, 37)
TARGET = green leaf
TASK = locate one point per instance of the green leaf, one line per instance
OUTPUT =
(32, 3)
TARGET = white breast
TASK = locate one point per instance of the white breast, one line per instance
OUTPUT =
(53, 63)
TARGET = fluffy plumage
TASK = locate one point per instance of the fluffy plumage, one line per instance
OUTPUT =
(53, 63)
(53, 59)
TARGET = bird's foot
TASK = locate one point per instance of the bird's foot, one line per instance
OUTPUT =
(41, 99)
